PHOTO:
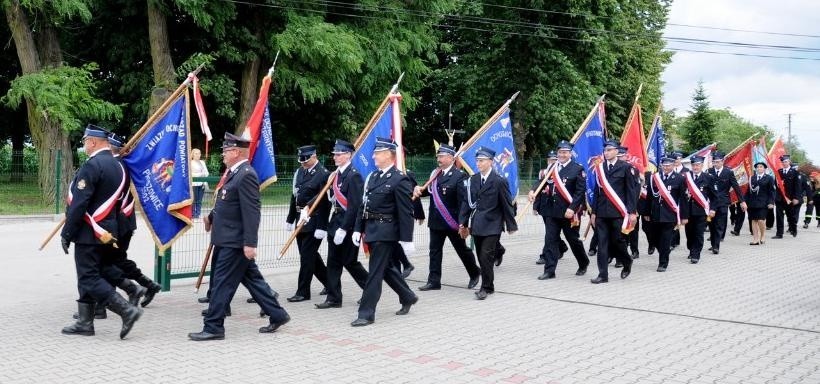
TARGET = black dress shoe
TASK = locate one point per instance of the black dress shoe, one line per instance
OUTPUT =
(540, 261)
(734, 233)
(561, 256)
(405, 308)
(711, 248)
(635, 255)
(323, 292)
(592, 252)
(651, 250)
(407, 271)
(794, 233)
(499, 257)
(805, 225)
(205, 336)
(481, 294)
(581, 272)
(429, 287)
(694, 261)
(328, 304)
(297, 298)
(625, 273)
(777, 237)
(205, 312)
(755, 243)
(203, 300)
(250, 300)
(547, 276)
(361, 322)
(473, 282)
(715, 251)
(272, 327)
(599, 280)
(618, 264)
(661, 269)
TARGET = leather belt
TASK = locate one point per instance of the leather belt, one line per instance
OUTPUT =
(377, 216)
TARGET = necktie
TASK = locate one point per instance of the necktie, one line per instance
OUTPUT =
(665, 176)
(482, 182)
(560, 167)
(609, 166)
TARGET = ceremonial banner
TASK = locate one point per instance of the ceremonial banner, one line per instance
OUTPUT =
(739, 161)
(589, 146)
(383, 127)
(161, 182)
(656, 145)
(634, 140)
(498, 137)
(778, 149)
(706, 153)
(258, 131)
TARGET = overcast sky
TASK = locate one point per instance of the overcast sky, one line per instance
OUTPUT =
(761, 90)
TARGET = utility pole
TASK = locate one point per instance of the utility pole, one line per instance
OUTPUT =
(789, 129)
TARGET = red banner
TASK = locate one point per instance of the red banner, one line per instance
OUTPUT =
(634, 140)
(777, 150)
(739, 161)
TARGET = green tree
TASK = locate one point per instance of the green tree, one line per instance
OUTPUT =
(699, 127)
(731, 130)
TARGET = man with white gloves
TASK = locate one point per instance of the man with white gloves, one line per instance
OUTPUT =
(385, 220)
(308, 181)
(345, 197)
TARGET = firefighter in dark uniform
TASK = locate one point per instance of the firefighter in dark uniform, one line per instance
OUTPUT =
(564, 195)
(666, 207)
(93, 196)
(539, 208)
(800, 194)
(346, 198)
(385, 223)
(486, 211)
(235, 223)
(632, 236)
(613, 211)
(812, 199)
(724, 179)
(446, 195)
(308, 181)
(680, 169)
(700, 193)
(785, 206)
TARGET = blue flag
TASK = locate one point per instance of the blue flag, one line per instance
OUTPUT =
(656, 145)
(158, 165)
(589, 147)
(259, 132)
(498, 137)
(363, 159)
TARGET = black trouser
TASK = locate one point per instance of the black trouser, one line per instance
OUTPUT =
(815, 202)
(464, 253)
(310, 263)
(610, 240)
(118, 257)
(770, 217)
(632, 237)
(562, 246)
(694, 235)
(486, 247)
(383, 267)
(92, 274)
(593, 243)
(554, 227)
(795, 216)
(651, 233)
(232, 267)
(344, 255)
(782, 208)
(717, 228)
(675, 237)
(402, 259)
(740, 217)
(664, 232)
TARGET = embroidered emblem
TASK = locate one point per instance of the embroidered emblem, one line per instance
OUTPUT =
(81, 184)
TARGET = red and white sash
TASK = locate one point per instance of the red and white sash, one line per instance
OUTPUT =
(560, 186)
(694, 191)
(610, 193)
(337, 192)
(666, 196)
(102, 211)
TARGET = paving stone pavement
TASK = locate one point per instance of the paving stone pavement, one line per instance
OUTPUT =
(747, 315)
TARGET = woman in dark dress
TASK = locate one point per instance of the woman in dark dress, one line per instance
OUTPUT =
(760, 199)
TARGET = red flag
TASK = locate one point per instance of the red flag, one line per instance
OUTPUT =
(739, 161)
(777, 150)
(634, 140)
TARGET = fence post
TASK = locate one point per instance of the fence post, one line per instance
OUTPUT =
(162, 268)
(57, 181)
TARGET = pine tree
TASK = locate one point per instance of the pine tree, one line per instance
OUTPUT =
(699, 128)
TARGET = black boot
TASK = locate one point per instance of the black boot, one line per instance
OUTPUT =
(85, 321)
(135, 292)
(99, 312)
(153, 289)
(129, 313)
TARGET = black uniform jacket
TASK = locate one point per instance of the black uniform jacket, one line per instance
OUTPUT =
(622, 179)
(791, 184)
(658, 209)
(386, 213)
(350, 183)
(761, 192)
(723, 181)
(450, 187)
(95, 182)
(550, 203)
(237, 210)
(308, 184)
(492, 209)
(706, 185)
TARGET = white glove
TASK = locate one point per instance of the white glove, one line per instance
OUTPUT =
(320, 234)
(408, 247)
(303, 216)
(339, 237)
(357, 238)
(289, 227)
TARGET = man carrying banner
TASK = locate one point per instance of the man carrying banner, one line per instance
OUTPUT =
(700, 191)
(680, 169)
(385, 222)
(539, 208)
(235, 223)
(632, 236)
(565, 188)
(91, 223)
(446, 198)
(346, 198)
(724, 179)
(486, 211)
(666, 207)
(307, 183)
(786, 198)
